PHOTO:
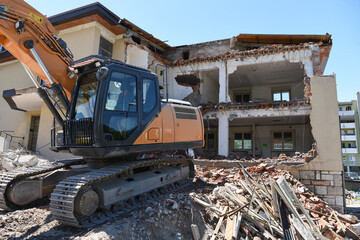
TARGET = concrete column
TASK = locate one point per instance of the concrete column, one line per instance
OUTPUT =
(223, 135)
(223, 82)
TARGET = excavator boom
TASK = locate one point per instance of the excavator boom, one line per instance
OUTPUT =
(21, 23)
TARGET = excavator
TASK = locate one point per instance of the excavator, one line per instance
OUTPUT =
(109, 113)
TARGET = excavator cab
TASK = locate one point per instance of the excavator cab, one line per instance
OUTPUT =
(112, 103)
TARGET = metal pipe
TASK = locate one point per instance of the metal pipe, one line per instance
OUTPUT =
(29, 44)
(31, 75)
(42, 66)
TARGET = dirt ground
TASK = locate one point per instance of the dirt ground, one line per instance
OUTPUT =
(167, 217)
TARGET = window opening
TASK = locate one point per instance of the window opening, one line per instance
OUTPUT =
(136, 39)
(281, 96)
(242, 141)
(105, 48)
(210, 140)
(283, 141)
(242, 97)
(185, 55)
(33, 133)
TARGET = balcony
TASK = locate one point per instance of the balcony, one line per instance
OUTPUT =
(347, 125)
(348, 137)
(346, 113)
(349, 150)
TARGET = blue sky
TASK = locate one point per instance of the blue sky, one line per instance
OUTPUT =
(187, 22)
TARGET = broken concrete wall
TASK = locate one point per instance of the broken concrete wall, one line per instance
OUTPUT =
(136, 56)
(199, 50)
(325, 124)
(209, 86)
(324, 174)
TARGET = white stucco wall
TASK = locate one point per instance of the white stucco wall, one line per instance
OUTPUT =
(324, 120)
(82, 41)
(12, 76)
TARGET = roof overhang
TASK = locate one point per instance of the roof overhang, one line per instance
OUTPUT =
(98, 12)
(23, 100)
(283, 38)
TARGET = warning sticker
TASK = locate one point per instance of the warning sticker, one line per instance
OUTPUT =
(37, 18)
(4, 8)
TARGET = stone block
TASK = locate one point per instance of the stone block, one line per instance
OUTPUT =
(335, 191)
(338, 180)
(321, 190)
(328, 177)
(320, 183)
(27, 161)
(311, 188)
(307, 175)
(339, 200)
(330, 201)
(8, 165)
(340, 209)
(306, 182)
(318, 175)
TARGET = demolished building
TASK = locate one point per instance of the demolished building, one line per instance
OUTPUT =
(261, 95)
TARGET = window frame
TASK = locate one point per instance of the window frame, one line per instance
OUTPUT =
(101, 48)
(282, 137)
(212, 131)
(243, 149)
(242, 93)
(281, 91)
(352, 160)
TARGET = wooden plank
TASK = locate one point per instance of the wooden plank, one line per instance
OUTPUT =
(195, 232)
(237, 225)
(218, 225)
(229, 228)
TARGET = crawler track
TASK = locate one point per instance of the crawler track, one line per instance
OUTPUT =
(7, 178)
(62, 199)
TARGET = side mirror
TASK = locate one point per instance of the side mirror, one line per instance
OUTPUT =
(102, 73)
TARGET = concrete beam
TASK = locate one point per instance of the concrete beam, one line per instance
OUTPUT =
(223, 133)
(294, 111)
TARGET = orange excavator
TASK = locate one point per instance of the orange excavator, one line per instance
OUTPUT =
(109, 112)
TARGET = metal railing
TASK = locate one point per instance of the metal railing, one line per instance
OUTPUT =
(78, 132)
(10, 141)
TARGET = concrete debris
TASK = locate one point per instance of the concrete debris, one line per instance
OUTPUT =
(297, 159)
(12, 160)
(268, 203)
(252, 105)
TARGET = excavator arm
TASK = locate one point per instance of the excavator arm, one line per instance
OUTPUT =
(29, 36)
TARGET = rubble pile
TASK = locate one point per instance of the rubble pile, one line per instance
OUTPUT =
(262, 202)
(298, 158)
(18, 159)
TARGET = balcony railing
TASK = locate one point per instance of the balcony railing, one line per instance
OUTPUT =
(348, 137)
(347, 125)
(349, 150)
(346, 113)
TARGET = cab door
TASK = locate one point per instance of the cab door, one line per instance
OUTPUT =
(121, 118)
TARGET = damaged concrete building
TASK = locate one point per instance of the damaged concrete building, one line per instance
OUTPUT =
(265, 95)
(261, 95)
